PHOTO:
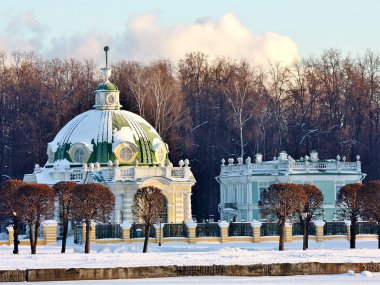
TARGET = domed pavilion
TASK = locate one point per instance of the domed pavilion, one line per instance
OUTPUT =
(121, 150)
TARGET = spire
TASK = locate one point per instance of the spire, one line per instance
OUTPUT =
(106, 49)
(106, 70)
(107, 93)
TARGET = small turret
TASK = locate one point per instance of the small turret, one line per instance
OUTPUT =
(107, 93)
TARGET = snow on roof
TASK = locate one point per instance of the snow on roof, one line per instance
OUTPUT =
(124, 134)
(96, 125)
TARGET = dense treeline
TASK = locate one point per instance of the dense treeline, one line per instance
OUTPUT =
(204, 109)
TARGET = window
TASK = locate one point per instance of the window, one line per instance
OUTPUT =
(79, 155)
(337, 189)
(244, 195)
(338, 185)
(262, 187)
(126, 153)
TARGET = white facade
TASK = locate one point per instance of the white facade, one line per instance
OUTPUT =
(241, 183)
(121, 150)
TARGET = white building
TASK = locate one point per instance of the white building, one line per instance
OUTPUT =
(121, 150)
(241, 183)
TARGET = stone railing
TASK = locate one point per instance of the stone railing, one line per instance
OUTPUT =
(290, 166)
(125, 173)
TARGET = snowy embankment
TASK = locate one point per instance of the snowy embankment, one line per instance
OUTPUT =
(334, 279)
(174, 253)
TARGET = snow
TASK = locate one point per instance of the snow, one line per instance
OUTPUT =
(125, 134)
(181, 253)
(97, 125)
(334, 279)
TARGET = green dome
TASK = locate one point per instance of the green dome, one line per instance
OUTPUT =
(107, 86)
(103, 135)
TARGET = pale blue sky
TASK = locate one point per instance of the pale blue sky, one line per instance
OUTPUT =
(60, 27)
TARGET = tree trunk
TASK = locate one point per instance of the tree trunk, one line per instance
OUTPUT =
(87, 242)
(241, 142)
(146, 240)
(353, 233)
(307, 232)
(378, 234)
(16, 242)
(305, 222)
(31, 239)
(64, 234)
(282, 235)
(36, 235)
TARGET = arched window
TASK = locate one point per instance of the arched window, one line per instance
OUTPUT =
(79, 155)
(126, 153)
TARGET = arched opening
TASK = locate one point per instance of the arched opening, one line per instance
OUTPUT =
(164, 212)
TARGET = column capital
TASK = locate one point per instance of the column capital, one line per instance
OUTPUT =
(256, 224)
(49, 223)
(319, 223)
(223, 224)
(191, 224)
(125, 225)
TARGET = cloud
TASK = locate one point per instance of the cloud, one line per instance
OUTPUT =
(23, 32)
(145, 39)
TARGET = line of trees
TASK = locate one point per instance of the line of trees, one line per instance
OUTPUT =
(287, 202)
(204, 109)
(359, 201)
(32, 203)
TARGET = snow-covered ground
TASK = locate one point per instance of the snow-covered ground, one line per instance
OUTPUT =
(175, 253)
(338, 279)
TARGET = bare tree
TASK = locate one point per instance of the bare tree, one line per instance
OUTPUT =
(165, 96)
(64, 193)
(369, 199)
(280, 201)
(92, 202)
(36, 203)
(240, 98)
(313, 202)
(349, 207)
(147, 207)
(8, 207)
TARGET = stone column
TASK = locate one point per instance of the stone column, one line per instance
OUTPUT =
(10, 235)
(256, 226)
(127, 208)
(92, 232)
(187, 207)
(319, 230)
(288, 232)
(348, 225)
(118, 209)
(126, 228)
(191, 230)
(179, 215)
(159, 232)
(50, 231)
(223, 225)
(171, 213)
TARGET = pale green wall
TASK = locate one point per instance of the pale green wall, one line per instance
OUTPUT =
(255, 194)
(256, 214)
(329, 214)
(327, 188)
